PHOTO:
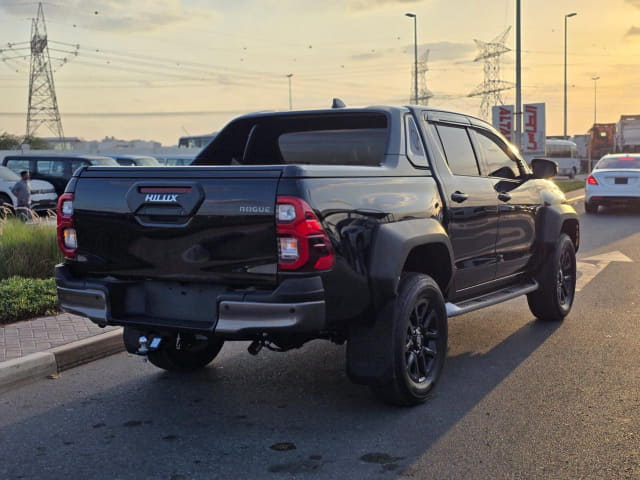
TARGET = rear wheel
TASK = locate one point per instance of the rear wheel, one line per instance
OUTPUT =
(189, 357)
(590, 207)
(417, 345)
(554, 298)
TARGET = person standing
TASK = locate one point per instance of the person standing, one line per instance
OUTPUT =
(22, 192)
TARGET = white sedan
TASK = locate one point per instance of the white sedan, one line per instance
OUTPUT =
(43, 195)
(615, 180)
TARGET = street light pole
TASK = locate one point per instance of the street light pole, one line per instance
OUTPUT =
(518, 112)
(290, 103)
(415, 56)
(595, 99)
(567, 16)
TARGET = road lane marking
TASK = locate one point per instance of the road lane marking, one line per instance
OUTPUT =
(576, 199)
(588, 268)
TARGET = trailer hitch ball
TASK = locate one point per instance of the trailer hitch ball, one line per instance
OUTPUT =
(145, 346)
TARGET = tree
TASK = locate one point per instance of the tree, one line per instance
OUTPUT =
(13, 142)
(36, 143)
(9, 142)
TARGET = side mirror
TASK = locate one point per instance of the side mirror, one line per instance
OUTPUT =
(544, 168)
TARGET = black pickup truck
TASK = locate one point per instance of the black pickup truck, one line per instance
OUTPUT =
(367, 226)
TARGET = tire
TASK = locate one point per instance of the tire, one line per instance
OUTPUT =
(6, 205)
(590, 207)
(189, 358)
(554, 297)
(417, 346)
(572, 174)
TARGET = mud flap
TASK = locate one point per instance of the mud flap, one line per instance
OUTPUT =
(369, 349)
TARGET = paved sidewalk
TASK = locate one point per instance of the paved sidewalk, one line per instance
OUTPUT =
(40, 334)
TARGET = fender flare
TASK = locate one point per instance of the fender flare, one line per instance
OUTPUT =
(551, 220)
(391, 247)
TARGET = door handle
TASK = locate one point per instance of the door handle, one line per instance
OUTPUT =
(459, 197)
(505, 197)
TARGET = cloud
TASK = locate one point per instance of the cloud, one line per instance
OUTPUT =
(633, 32)
(448, 51)
(359, 5)
(113, 15)
(438, 52)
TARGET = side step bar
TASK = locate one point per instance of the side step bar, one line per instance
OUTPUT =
(466, 306)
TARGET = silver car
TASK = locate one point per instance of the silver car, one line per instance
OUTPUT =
(615, 180)
(43, 195)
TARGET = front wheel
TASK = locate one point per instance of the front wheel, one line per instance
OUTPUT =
(418, 341)
(190, 356)
(554, 297)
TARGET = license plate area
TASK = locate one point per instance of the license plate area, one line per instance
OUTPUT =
(621, 180)
(178, 304)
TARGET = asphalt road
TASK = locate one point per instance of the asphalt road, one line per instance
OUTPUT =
(520, 399)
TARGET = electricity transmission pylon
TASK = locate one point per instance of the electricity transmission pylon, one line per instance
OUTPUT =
(43, 104)
(42, 108)
(424, 94)
(492, 87)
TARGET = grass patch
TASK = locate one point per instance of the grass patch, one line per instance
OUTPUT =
(570, 185)
(23, 298)
(28, 249)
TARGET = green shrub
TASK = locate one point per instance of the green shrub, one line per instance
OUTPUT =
(28, 249)
(23, 298)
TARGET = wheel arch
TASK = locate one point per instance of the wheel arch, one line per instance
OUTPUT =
(557, 219)
(418, 245)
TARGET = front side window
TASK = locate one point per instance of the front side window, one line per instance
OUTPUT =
(497, 162)
(458, 150)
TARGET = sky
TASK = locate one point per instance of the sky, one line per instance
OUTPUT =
(160, 69)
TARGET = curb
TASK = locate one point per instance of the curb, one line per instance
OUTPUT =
(36, 366)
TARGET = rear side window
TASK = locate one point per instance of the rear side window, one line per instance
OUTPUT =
(50, 168)
(19, 165)
(458, 150)
(415, 149)
(311, 139)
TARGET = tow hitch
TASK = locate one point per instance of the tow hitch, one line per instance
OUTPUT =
(145, 346)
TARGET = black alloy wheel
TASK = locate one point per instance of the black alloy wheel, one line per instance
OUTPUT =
(417, 344)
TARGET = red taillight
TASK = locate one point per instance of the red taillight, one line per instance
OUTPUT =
(628, 159)
(303, 245)
(591, 180)
(67, 240)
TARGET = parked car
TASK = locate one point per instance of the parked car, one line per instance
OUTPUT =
(136, 160)
(43, 194)
(175, 160)
(371, 226)
(614, 181)
(56, 169)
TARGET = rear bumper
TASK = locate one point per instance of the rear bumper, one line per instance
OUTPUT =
(604, 199)
(297, 306)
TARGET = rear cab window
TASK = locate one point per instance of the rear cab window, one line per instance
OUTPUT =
(306, 139)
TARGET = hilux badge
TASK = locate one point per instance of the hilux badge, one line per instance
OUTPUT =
(163, 198)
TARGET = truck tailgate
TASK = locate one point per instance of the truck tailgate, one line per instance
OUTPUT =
(213, 224)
